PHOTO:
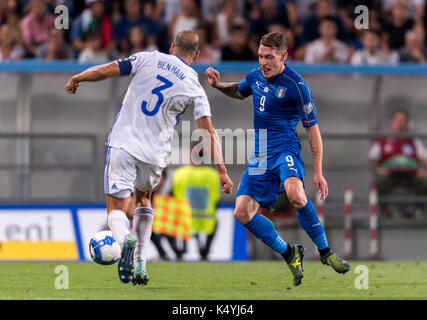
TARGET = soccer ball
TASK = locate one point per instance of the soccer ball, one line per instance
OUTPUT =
(104, 249)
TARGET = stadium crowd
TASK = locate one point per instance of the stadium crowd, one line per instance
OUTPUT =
(317, 30)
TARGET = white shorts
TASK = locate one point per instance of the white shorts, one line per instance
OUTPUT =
(123, 172)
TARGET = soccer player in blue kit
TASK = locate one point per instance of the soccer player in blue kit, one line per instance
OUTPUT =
(281, 99)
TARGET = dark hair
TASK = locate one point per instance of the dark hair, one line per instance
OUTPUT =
(328, 18)
(143, 31)
(92, 34)
(275, 40)
(237, 27)
(187, 42)
(401, 110)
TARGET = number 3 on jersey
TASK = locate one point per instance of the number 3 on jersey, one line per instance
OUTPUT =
(158, 92)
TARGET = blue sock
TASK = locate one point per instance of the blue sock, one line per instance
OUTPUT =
(307, 217)
(264, 230)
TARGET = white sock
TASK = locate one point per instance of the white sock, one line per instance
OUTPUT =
(142, 225)
(119, 225)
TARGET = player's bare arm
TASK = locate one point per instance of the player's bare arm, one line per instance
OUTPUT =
(228, 88)
(95, 73)
(316, 146)
(212, 144)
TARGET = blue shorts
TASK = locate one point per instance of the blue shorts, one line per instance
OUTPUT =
(265, 188)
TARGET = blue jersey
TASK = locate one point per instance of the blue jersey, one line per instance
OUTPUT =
(279, 104)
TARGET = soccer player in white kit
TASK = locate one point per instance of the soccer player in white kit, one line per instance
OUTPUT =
(139, 144)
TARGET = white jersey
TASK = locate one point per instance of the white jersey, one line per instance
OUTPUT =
(162, 88)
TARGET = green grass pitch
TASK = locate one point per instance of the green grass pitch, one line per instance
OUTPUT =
(256, 280)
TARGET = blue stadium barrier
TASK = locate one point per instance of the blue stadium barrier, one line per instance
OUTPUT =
(72, 66)
(73, 221)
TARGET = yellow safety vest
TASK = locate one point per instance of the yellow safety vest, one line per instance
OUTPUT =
(199, 185)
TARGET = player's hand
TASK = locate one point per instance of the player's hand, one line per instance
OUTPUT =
(321, 185)
(421, 173)
(226, 183)
(72, 86)
(381, 171)
(213, 76)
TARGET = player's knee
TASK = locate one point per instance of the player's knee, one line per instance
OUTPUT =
(241, 215)
(297, 199)
(143, 198)
(114, 203)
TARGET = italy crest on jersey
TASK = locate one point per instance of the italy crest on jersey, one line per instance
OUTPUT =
(281, 92)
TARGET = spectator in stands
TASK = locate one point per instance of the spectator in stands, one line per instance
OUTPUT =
(116, 11)
(3, 12)
(134, 17)
(210, 9)
(372, 54)
(78, 8)
(327, 48)
(55, 48)
(188, 19)
(208, 53)
(238, 48)
(346, 12)
(93, 18)
(74, 7)
(9, 50)
(160, 38)
(93, 48)
(396, 27)
(398, 161)
(415, 9)
(269, 13)
(323, 8)
(222, 23)
(414, 49)
(165, 10)
(8, 10)
(12, 16)
(290, 37)
(137, 42)
(9, 13)
(35, 26)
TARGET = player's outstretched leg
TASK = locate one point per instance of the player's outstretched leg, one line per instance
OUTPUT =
(307, 216)
(126, 260)
(264, 230)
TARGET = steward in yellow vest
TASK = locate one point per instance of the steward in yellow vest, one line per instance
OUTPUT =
(200, 185)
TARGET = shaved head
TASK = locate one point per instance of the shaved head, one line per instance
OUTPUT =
(186, 43)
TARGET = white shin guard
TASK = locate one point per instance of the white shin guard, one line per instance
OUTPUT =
(119, 225)
(142, 225)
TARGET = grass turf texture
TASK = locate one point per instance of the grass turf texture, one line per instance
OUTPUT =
(260, 280)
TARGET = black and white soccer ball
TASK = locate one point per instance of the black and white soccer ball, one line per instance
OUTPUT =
(104, 249)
